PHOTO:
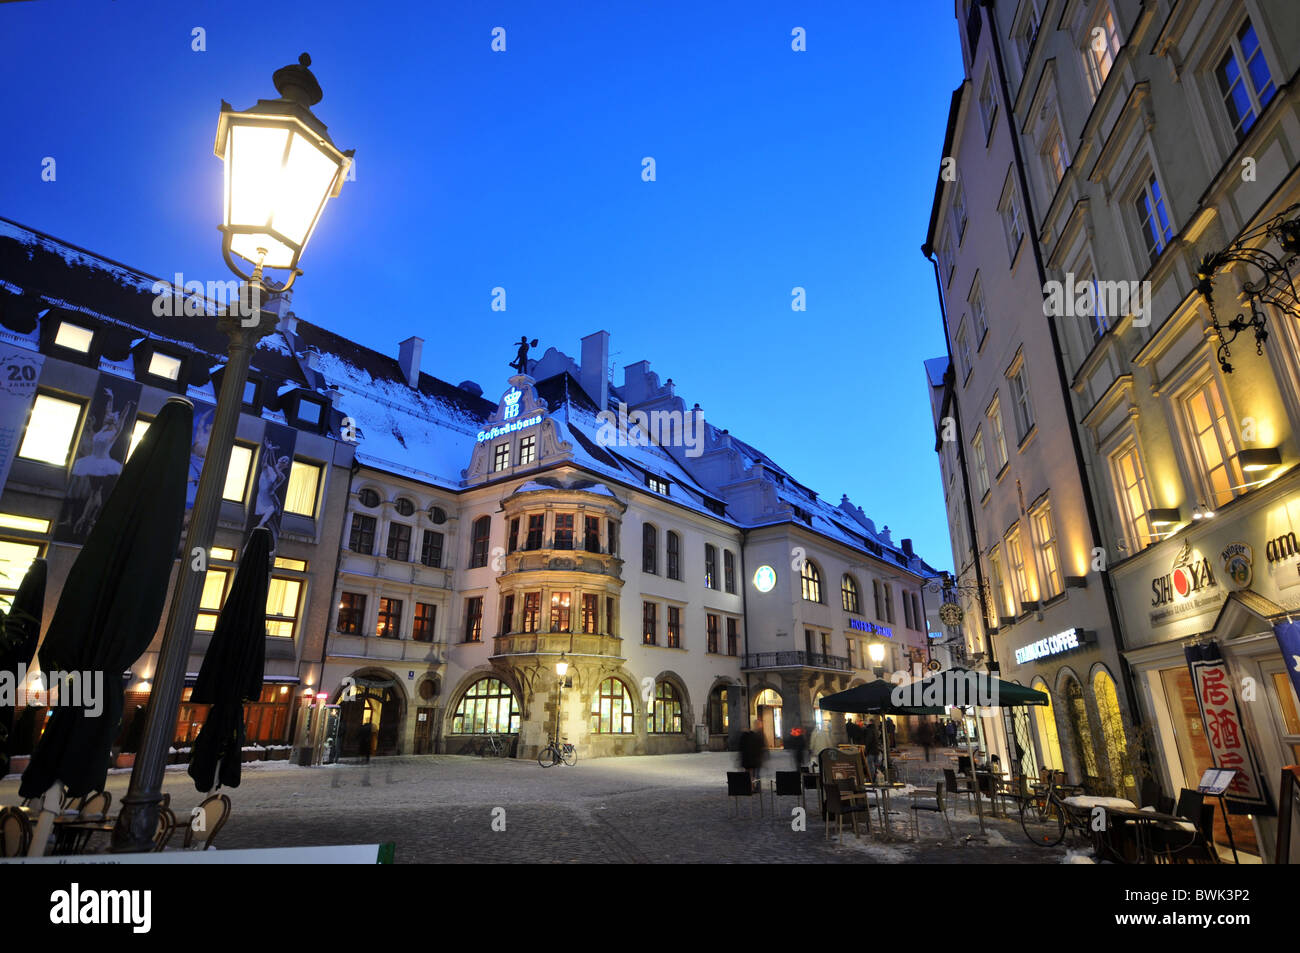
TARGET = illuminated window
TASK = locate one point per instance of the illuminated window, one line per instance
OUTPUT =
(527, 449)
(611, 709)
(474, 619)
(981, 464)
(1103, 44)
(389, 622)
(650, 623)
(214, 594)
(501, 457)
(561, 604)
(487, 707)
(50, 430)
(1045, 540)
(15, 559)
(164, 366)
(849, 594)
(304, 481)
(1153, 218)
(711, 630)
(674, 627)
(426, 614)
(28, 524)
(999, 435)
(532, 611)
(74, 337)
(137, 434)
(665, 714)
(1019, 573)
(810, 578)
(1134, 501)
(223, 553)
(657, 485)
(284, 562)
(241, 462)
(282, 607)
(1213, 441)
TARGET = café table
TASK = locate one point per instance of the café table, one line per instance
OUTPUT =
(1143, 821)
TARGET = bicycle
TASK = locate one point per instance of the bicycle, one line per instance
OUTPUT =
(555, 753)
(1044, 817)
(493, 745)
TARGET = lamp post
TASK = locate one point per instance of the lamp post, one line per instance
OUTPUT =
(561, 670)
(280, 169)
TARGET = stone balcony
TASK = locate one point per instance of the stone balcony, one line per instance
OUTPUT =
(387, 650)
(563, 560)
(553, 643)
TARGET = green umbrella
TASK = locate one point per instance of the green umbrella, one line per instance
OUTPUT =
(232, 668)
(20, 630)
(111, 602)
(873, 698)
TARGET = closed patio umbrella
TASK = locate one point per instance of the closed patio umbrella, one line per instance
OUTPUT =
(232, 668)
(20, 632)
(111, 602)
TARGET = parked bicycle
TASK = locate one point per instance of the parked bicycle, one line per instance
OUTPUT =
(1044, 817)
(498, 746)
(556, 753)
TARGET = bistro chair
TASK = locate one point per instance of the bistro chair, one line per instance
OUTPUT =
(950, 780)
(166, 827)
(94, 807)
(15, 832)
(740, 784)
(788, 784)
(837, 807)
(215, 812)
(935, 806)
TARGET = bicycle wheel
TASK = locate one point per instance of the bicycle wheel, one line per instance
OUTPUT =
(1043, 824)
(570, 756)
(546, 757)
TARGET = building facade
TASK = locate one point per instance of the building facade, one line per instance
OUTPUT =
(1153, 136)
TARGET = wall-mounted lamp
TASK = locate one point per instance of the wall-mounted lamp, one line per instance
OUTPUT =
(1164, 516)
(1259, 458)
(1076, 582)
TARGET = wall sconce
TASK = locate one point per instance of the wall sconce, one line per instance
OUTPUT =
(1076, 582)
(1263, 458)
(1164, 516)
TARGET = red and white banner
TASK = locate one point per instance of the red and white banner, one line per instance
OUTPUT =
(1225, 732)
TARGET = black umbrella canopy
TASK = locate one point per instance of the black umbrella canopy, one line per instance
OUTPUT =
(875, 698)
(111, 602)
(961, 687)
(232, 668)
(20, 630)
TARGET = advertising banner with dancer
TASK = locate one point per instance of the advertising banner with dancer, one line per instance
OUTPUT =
(274, 463)
(99, 456)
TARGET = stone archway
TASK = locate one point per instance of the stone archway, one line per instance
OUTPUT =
(372, 713)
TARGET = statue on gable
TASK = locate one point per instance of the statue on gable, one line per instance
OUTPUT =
(520, 363)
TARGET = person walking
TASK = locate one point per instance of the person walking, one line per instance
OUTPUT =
(891, 730)
(367, 732)
(872, 744)
(925, 735)
(798, 745)
(753, 750)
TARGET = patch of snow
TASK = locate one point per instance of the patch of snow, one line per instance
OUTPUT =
(1077, 857)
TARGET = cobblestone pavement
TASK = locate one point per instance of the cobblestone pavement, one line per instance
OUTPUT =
(668, 808)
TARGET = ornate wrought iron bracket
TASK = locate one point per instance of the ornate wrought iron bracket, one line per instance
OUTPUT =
(1275, 285)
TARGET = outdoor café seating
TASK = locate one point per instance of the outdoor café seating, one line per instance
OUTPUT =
(838, 804)
(15, 832)
(956, 788)
(787, 784)
(933, 805)
(740, 784)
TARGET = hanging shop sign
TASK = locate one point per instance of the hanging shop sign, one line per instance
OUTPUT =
(1188, 589)
(1066, 641)
(951, 614)
(1224, 730)
(1288, 640)
(864, 626)
(764, 578)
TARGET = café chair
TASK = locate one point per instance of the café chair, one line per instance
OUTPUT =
(788, 784)
(740, 784)
(920, 805)
(15, 832)
(215, 812)
(837, 807)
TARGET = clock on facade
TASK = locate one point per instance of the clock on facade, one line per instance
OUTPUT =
(764, 578)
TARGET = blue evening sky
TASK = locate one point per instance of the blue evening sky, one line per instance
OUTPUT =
(522, 169)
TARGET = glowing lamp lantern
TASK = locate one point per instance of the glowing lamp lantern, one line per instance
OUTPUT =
(877, 653)
(280, 169)
(562, 666)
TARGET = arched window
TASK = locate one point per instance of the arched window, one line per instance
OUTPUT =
(487, 707)
(812, 581)
(649, 548)
(611, 709)
(1045, 724)
(1076, 711)
(1112, 732)
(849, 593)
(665, 714)
(719, 716)
(674, 555)
(478, 556)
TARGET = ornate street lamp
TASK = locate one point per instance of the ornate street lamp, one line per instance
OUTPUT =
(1274, 286)
(280, 169)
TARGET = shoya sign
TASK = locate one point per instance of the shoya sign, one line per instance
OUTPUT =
(1185, 589)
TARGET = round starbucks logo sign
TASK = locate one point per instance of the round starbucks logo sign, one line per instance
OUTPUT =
(950, 614)
(764, 578)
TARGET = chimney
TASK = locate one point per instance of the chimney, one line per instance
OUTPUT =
(593, 373)
(408, 356)
(907, 548)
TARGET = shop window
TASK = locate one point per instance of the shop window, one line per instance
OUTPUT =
(611, 710)
(665, 714)
(487, 707)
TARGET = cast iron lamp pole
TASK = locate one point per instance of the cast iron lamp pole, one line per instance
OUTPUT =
(280, 169)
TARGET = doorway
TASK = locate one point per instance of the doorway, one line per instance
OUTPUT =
(372, 717)
(767, 717)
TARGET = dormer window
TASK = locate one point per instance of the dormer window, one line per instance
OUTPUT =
(164, 366)
(656, 484)
(309, 413)
(74, 337)
(251, 389)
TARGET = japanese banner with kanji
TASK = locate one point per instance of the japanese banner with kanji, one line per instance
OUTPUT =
(1225, 732)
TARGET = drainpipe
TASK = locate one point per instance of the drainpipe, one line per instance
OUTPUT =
(1094, 524)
